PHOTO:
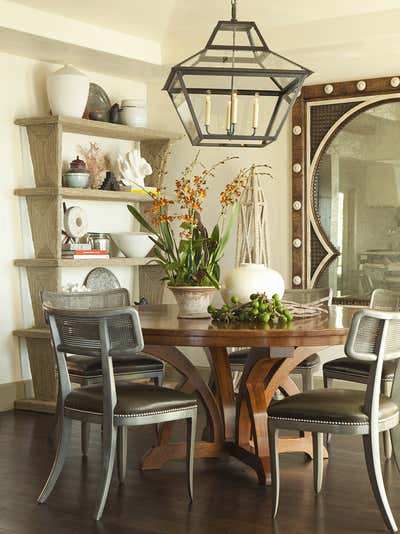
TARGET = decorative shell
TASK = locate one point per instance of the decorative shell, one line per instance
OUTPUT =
(297, 205)
(297, 130)
(328, 89)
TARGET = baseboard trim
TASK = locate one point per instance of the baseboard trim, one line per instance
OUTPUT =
(12, 392)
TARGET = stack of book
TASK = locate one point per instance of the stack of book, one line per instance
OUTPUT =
(82, 251)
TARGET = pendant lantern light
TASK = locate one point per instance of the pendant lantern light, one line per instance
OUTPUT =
(236, 91)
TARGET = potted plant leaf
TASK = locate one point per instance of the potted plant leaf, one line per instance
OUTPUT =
(189, 254)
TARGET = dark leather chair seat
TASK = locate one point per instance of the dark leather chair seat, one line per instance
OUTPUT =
(133, 399)
(90, 367)
(339, 406)
(238, 357)
(310, 362)
(354, 368)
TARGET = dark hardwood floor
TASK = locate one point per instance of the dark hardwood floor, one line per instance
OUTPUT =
(227, 497)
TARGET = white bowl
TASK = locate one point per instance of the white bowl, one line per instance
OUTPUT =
(134, 244)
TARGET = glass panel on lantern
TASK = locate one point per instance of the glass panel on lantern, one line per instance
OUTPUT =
(284, 81)
(285, 104)
(224, 59)
(182, 107)
(209, 96)
(245, 114)
(237, 33)
(272, 60)
(254, 36)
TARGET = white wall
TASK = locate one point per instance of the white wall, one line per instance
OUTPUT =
(23, 93)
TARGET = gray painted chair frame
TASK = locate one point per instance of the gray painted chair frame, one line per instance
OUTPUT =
(112, 425)
(96, 300)
(382, 300)
(387, 347)
(317, 296)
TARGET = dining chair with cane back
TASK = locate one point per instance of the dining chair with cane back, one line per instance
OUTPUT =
(115, 405)
(351, 370)
(87, 371)
(374, 337)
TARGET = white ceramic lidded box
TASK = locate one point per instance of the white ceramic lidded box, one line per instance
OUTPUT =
(134, 112)
(68, 91)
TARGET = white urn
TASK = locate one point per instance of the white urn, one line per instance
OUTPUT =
(251, 278)
(68, 91)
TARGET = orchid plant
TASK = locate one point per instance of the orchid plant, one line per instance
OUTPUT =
(187, 252)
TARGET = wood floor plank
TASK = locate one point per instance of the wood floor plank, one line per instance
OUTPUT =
(228, 499)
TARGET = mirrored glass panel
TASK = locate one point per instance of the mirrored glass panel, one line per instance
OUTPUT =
(357, 202)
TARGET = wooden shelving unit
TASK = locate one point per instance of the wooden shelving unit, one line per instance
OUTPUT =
(82, 194)
(107, 262)
(45, 210)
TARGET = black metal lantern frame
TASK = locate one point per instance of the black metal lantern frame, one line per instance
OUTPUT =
(235, 92)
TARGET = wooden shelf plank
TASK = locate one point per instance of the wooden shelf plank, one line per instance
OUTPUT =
(107, 262)
(100, 129)
(84, 194)
(34, 332)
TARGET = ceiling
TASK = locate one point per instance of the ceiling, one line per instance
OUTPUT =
(188, 23)
(140, 39)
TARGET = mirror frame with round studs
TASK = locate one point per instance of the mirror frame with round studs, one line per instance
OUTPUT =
(320, 114)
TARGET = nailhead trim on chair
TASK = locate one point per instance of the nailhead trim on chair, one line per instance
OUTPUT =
(158, 412)
(325, 422)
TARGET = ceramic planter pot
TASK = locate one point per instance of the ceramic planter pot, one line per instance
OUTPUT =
(193, 301)
(68, 90)
(251, 278)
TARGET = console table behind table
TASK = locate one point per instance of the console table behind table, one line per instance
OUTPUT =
(238, 423)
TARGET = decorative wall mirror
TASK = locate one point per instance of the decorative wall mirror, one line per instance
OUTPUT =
(346, 188)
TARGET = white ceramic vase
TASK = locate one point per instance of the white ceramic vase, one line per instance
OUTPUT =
(251, 278)
(68, 91)
(193, 301)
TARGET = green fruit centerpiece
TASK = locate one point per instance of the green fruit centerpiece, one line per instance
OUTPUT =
(259, 309)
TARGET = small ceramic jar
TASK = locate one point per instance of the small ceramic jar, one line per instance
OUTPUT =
(77, 175)
(134, 112)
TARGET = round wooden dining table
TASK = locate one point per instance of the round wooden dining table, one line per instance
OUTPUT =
(237, 422)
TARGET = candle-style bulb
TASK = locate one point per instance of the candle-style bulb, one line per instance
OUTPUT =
(234, 108)
(256, 110)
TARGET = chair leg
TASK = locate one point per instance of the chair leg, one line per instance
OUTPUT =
(236, 376)
(64, 437)
(158, 379)
(387, 443)
(307, 380)
(190, 445)
(85, 437)
(108, 453)
(328, 383)
(55, 428)
(372, 458)
(273, 434)
(395, 440)
(122, 446)
(317, 438)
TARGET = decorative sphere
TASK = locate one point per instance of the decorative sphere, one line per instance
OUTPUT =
(251, 278)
